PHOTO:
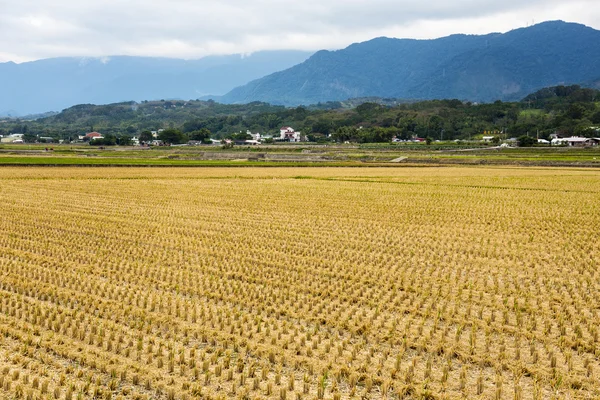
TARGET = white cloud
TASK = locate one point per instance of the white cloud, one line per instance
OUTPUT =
(32, 29)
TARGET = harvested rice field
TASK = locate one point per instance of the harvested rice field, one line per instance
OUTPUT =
(287, 283)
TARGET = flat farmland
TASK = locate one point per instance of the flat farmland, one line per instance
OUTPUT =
(312, 283)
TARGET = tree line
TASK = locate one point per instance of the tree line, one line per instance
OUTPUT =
(569, 110)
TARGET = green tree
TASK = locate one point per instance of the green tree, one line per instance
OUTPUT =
(368, 110)
(108, 140)
(344, 134)
(576, 111)
(200, 134)
(272, 121)
(29, 138)
(322, 126)
(145, 137)
(239, 136)
(526, 141)
(316, 137)
(172, 136)
(124, 140)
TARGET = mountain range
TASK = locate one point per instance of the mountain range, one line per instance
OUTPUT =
(468, 67)
(58, 83)
(478, 68)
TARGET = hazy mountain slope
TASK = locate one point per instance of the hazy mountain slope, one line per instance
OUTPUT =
(479, 68)
(54, 84)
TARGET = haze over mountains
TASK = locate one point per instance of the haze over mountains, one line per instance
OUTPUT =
(468, 67)
(477, 68)
(58, 83)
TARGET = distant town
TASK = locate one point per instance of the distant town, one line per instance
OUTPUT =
(289, 135)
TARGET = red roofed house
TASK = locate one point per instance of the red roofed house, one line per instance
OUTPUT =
(93, 135)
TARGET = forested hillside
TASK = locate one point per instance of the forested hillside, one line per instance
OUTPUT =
(567, 109)
(477, 68)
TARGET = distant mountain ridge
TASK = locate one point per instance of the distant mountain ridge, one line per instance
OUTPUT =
(467, 67)
(58, 83)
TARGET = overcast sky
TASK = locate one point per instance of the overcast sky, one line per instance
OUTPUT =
(34, 29)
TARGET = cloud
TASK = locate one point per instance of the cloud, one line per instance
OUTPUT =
(32, 29)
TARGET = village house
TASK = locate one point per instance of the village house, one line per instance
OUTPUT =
(91, 136)
(288, 134)
(14, 138)
(255, 136)
(575, 141)
(156, 133)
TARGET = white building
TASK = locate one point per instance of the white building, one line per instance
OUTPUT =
(15, 138)
(289, 134)
(156, 133)
(255, 136)
(92, 136)
(575, 141)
